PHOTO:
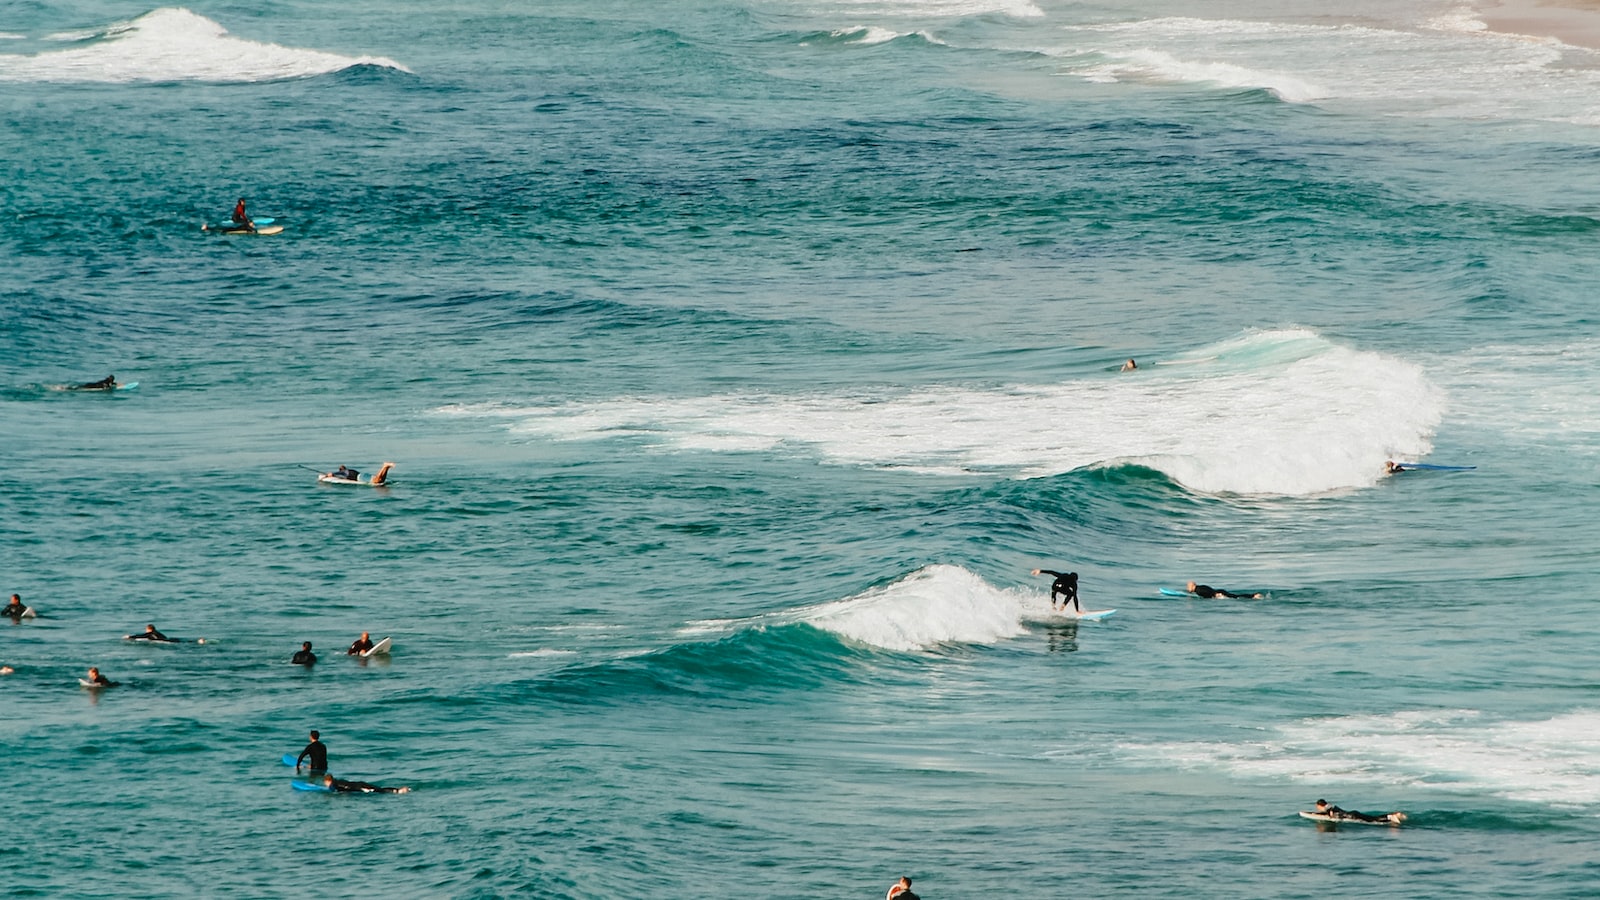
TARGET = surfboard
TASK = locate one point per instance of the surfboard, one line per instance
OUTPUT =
(1338, 820)
(378, 649)
(230, 229)
(1058, 617)
(310, 786)
(127, 386)
(1174, 592)
(289, 759)
(1430, 467)
(89, 684)
(367, 482)
(28, 614)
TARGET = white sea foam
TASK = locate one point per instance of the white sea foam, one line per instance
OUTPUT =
(1282, 412)
(1553, 761)
(1019, 9)
(872, 34)
(1448, 66)
(1532, 396)
(174, 44)
(932, 606)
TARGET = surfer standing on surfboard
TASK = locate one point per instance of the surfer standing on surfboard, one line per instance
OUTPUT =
(1066, 584)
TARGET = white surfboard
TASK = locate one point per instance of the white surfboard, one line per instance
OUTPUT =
(89, 684)
(378, 649)
(360, 482)
(28, 614)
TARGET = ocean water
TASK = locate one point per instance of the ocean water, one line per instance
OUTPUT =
(740, 359)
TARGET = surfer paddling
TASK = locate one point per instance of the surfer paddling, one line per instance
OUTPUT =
(1066, 584)
(150, 634)
(96, 679)
(108, 383)
(352, 476)
(1209, 592)
(1350, 815)
(341, 786)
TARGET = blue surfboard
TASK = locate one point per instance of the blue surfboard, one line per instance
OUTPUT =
(289, 759)
(1174, 592)
(310, 786)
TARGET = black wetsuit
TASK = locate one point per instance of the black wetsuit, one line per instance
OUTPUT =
(358, 648)
(14, 610)
(1208, 592)
(105, 384)
(304, 658)
(361, 787)
(1066, 584)
(318, 751)
(1335, 812)
(151, 636)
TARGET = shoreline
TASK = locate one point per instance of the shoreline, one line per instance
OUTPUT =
(1575, 22)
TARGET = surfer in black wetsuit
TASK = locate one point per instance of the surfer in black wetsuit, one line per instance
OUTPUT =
(1066, 584)
(1209, 592)
(344, 474)
(1334, 812)
(105, 384)
(304, 656)
(361, 645)
(359, 787)
(15, 608)
(99, 680)
(150, 634)
(1390, 467)
(318, 751)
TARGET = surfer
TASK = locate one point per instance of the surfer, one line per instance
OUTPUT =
(1209, 592)
(1066, 584)
(6, 670)
(1391, 467)
(240, 219)
(359, 787)
(901, 890)
(1334, 812)
(15, 608)
(1130, 365)
(361, 645)
(383, 473)
(318, 751)
(98, 680)
(105, 384)
(304, 656)
(150, 634)
(344, 474)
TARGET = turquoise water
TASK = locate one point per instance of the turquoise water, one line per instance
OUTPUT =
(739, 363)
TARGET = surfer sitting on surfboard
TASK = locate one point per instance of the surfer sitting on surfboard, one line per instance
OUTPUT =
(1334, 812)
(240, 220)
(349, 787)
(361, 645)
(15, 608)
(1209, 592)
(1066, 584)
(98, 680)
(150, 634)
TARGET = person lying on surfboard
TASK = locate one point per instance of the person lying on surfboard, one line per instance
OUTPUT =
(1334, 812)
(1209, 592)
(344, 474)
(15, 608)
(98, 680)
(362, 787)
(1390, 467)
(361, 645)
(150, 634)
(105, 384)
(1066, 584)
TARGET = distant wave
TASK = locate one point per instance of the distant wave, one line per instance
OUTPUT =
(1279, 412)
(871, 34)
(174, 44)
(1553, 761)
(1448, 66)
(1020, 9)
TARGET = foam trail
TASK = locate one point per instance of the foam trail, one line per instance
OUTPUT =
(1283, 412)
(937, 605)
(1019, 9)
(175, 45)
(1554, 761)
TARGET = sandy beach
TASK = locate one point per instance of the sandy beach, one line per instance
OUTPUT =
(1575, 22)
